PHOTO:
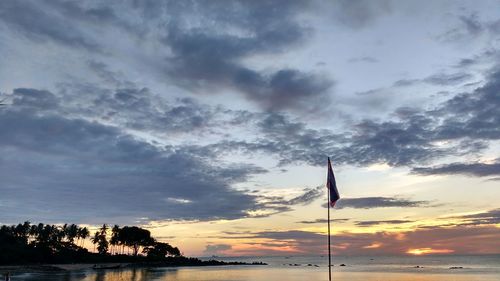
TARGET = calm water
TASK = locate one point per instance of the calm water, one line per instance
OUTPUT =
(475, 268)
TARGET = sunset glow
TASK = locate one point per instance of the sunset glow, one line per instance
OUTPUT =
(426, 251)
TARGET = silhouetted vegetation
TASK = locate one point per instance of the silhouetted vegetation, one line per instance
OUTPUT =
(28, 243)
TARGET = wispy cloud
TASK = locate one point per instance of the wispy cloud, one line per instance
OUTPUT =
(378, 202)
(372, 223)
(471, 169)
(323, 221)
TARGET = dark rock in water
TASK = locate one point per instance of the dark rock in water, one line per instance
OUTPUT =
(342, 264)
(456, 267)
(309, 264)
(418, 266)
(316, 265)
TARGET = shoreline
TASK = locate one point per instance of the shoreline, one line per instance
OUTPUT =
(34, 268)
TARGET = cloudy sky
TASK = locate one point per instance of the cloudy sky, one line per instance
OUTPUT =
(210, 122)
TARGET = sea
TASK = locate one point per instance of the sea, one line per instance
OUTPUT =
(304, 268)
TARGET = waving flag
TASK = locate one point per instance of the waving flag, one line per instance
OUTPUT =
(332, 185)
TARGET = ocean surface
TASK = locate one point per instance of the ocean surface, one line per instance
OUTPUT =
(310, 268)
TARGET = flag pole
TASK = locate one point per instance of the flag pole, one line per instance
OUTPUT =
(333, 196)
(329, 248)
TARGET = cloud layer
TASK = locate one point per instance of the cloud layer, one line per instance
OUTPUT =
(135, 111)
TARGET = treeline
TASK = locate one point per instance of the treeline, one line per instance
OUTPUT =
(131, 237)
(44, 243)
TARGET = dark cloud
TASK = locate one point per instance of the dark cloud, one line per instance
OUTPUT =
(54, 129)
(309, 195)
(470, 27)
(33, 98)
(127, 107)
(471, 169)
(472, 24)
(108, 76)
(444, 79)
(202, 59)
(205, 42)
(322, 221)
(93, 172)
(278, 204)
(466, 123)
(481, 113)
(372, 223)
(395, 143)
(34, 20)
(485, 57)
(378, 202)
(491, 217)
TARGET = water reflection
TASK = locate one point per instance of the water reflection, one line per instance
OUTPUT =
(243, 274)
(133, 274)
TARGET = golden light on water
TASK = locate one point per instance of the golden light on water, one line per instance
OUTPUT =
(426, 251)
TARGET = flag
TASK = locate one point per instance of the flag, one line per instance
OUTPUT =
(332, 185)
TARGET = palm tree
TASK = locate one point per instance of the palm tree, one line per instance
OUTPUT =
(95, 239)
(82, 233)
(72, 233)
(101, 240)
(115, 239)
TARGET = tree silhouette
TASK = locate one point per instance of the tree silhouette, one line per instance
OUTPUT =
(160, 250)
(82, 234)
(115, 239)
(95, 239)
(135, 237)
(101, 240)
(46, 243)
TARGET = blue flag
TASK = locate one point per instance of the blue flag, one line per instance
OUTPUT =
(332, 185)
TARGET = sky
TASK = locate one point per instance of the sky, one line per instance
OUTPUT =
(210, 122)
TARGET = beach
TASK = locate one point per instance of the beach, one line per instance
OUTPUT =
(433, 268)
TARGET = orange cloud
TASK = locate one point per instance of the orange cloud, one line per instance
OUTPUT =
(373, 246)
(425, 251)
